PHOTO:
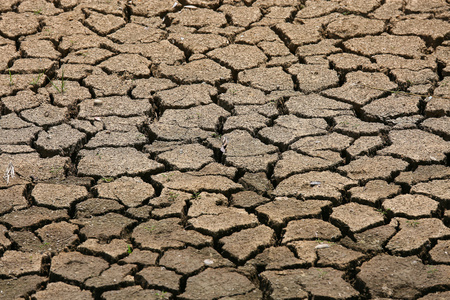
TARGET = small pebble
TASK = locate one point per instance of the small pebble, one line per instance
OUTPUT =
(321, 246)
(98, 102)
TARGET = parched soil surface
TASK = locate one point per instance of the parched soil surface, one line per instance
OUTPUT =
(224, 149)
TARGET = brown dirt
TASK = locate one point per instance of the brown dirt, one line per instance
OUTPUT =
(224, 149)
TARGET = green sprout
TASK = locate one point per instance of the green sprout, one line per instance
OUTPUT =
(36, 79)
(129, 249)
(196, 195)
(161, 295)
(167, 177)
(151, 228)
(62, 88)
(322, 273)
(44, 245)
(431, 270)
(173, 196)
(413, 223)
(55, 169)
(107, 179)
(384, 212)
(11, 83)
(37, 12)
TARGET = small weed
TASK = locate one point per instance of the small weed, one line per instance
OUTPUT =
(47, 31)
(62, 88)
(319, 241)
(140, 136)
(431, 269)
(36, 79)
(55, 170)
(173, 196)
(98, 154)
(346, 13)
(167, 177)
(37, 12)
(44, 245)
(107, 179)
(412, 223)
(196, 196)
(161, 295)
(322, 273)
(384, 212)
(216, 135)
(233, 92)
(151, 228)
(11, 82)
(129, 249)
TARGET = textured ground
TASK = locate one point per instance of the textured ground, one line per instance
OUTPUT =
(225, 149)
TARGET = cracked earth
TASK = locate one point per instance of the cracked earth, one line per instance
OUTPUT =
(225, 149)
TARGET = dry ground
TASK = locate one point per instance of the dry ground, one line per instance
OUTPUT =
(225, 149)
